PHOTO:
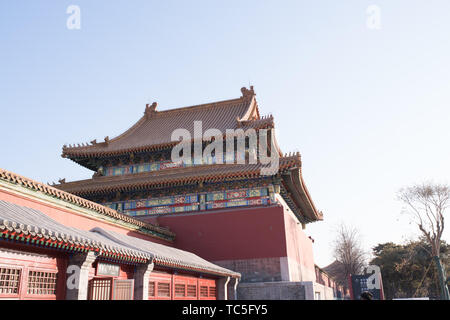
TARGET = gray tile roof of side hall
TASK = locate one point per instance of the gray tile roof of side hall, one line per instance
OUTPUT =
(166, 255)
(24, 219)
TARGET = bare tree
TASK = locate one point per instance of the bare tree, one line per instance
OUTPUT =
(348, 252)
(427, 203)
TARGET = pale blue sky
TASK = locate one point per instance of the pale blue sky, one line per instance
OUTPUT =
(367, 109)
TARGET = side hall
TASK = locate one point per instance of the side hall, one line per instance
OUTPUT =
(54, 245)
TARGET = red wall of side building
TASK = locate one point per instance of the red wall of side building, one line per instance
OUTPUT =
(71, 218)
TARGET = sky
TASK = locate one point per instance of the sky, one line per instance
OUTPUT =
(368, 108)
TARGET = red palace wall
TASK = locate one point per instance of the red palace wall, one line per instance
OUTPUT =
(69, 218)
(220, 235)
(263, 244)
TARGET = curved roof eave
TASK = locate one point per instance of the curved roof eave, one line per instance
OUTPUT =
(300, 194)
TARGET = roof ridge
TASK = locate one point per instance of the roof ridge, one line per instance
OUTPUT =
(69, 197)
(156, 114)
(247, 94)
(81, 148)
(222, 103)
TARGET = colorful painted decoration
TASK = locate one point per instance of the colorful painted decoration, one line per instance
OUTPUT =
(238, 203)
(193, 202)
(155, 202)
(233, 194)
(162, 210)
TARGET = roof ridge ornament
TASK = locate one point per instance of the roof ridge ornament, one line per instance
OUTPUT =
(150, 109)
(247, 93)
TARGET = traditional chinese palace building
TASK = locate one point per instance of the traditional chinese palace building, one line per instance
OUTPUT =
(229, 214)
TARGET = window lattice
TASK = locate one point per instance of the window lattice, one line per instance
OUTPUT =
(212, 291)
(163, 289)
(151, 289)
(9, 281)
(180, 290)
(41, 282)
(203, 291)
(191, 290)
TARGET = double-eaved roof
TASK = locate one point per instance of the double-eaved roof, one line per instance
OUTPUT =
(154, 130)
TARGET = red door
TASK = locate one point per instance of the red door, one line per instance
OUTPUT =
(111, 289)
(123, 289)
(100, 289)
